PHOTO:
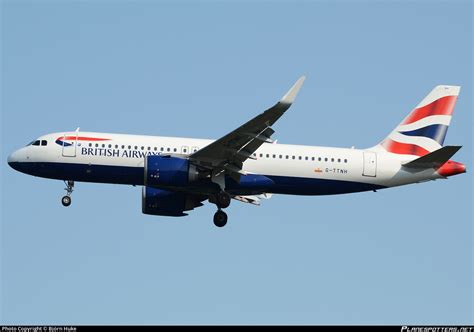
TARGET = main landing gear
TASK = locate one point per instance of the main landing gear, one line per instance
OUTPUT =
(66, 200)
(220, 218)
(222, 200)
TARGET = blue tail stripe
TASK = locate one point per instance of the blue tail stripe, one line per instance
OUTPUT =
(436, 132)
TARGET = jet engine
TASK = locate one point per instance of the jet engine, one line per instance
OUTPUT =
(160, 202)
(167, 171)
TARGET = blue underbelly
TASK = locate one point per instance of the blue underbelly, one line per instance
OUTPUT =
(251, 184)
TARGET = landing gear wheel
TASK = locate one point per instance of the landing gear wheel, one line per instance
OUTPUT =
(220, 218)
(223, 200)
(66, 200)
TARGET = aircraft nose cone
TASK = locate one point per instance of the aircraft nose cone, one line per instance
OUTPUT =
(13, 160)
(10, 159)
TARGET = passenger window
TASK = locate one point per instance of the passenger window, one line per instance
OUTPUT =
(261, 155)
(325, 159)
(44, 143)
(103, 145)
(332, 160)
(110, 145)
(274, 156)
(268, 156)
(299, 157)
(339, 160)
(155, 148)
(281, 156)
(345, 160)
(185, 150)
(319, 159)
(116, 146)
(305, 158)
(312, 158)
(123, 146)
(174, 150)
(162, 149)
(287, 156)
(136, 147)
(90, 145)
(129, 147)
(168, 149)
(293, 157)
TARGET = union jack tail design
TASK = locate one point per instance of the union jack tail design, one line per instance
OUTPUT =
(424, 129)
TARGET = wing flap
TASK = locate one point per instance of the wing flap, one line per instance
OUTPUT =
(252, 199)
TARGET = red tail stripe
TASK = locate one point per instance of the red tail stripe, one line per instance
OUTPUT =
(403, 148)
(79, 138)
(442, 106)
(451, 168)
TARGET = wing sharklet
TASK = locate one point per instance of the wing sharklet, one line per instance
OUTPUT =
(290, 96)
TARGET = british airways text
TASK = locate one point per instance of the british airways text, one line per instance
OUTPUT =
(117, 153)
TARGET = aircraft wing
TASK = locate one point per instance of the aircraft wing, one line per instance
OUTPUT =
(229, 152)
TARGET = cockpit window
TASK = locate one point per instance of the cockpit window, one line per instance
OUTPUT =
(39, 142)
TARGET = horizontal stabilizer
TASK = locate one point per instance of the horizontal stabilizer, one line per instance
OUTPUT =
(434, 159)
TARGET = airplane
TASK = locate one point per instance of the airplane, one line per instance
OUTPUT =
(179, 174)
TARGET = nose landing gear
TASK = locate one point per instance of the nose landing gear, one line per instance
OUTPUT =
(66, 200)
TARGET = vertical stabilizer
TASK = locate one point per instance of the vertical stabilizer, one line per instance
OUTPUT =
(424, 129)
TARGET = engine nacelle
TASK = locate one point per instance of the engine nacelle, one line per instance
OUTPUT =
(160, 202)
(167, 171)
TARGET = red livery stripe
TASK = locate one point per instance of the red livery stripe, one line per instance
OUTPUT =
(442, 106)
(79, 138)
(403, 148)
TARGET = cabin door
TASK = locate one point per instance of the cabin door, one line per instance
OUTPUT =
(69, 143)
(370, 164)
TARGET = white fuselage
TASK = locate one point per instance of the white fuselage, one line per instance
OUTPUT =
(118, 158)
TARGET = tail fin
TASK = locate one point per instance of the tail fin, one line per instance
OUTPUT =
(424, 129)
